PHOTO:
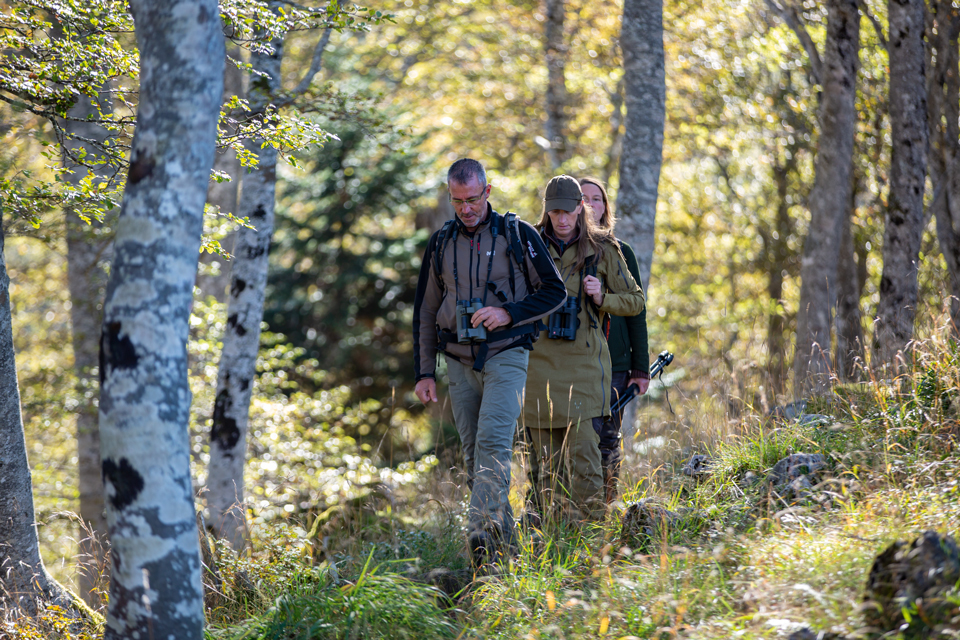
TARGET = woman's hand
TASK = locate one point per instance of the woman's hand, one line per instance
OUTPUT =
(593, 288)
(642, 384)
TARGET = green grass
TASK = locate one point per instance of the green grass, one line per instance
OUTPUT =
(373, 605)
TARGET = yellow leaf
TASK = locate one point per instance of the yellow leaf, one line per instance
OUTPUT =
(551, 601)
(604, 624)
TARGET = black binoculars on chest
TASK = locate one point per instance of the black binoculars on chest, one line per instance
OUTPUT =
(466, 333)
(563, 322)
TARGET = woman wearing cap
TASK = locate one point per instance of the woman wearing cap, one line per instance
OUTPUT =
(569, 376)
(627, 340)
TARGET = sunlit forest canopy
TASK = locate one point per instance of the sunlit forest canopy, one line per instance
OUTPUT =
(438, 81)
(468, 79)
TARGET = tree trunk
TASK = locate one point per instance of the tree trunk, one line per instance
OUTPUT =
(616, 133)
(241, 341)
(779, 258)
(89, 247)
(155, 589)
(224, 195)
(432, 218)
(944, 106)
(908, 163)
(556, 98)
(830, 197)
(641, 39)
(778, 250)
(24, 581)
(850, 351)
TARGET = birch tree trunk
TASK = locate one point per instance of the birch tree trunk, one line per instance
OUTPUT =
(24, 581)
(224, 195)
(641, 40)
(556, 98)
(829, 198)
(241, 341)
(155, 589)
(908, 165)
(88, 251)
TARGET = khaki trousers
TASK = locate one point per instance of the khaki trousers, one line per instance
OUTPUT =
(486, 405)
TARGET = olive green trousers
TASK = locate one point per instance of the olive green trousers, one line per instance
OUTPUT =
(566, 474)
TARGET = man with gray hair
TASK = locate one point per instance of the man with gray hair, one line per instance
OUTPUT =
(485, 281)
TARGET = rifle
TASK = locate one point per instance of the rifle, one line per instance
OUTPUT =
(631, 392)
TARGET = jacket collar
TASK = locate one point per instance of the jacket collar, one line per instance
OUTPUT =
(560, 246)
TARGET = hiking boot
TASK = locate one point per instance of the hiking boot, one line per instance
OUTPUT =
(482, 549)
(531, 520)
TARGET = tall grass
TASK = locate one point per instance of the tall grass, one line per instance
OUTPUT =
(735, 560)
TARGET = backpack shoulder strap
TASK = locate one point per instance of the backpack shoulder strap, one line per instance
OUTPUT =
(515, 246)
(445, 233)
(589, 269)
(590, 266)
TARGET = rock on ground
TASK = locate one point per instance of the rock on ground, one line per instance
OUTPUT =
(644, 520)
(809, 634)
(794, 477)
(697, 467)
(795, 466)
(918, 578)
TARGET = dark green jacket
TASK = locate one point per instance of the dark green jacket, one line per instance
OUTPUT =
(627, 336)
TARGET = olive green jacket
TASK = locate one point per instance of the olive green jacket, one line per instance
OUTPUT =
(569, 380)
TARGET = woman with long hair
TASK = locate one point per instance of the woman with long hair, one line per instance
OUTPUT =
(627, 339)
(569, 376)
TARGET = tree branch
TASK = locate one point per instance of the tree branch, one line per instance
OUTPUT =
(791, 18)
(315, 64)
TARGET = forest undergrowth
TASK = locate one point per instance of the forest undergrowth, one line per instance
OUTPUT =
(730, 557)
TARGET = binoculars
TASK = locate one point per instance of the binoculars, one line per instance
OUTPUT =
(466, 333)
(563, 323)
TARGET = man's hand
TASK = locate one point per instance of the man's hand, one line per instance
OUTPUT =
(593, 288)
(426, 390)
(491, 318)
(642, 384)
